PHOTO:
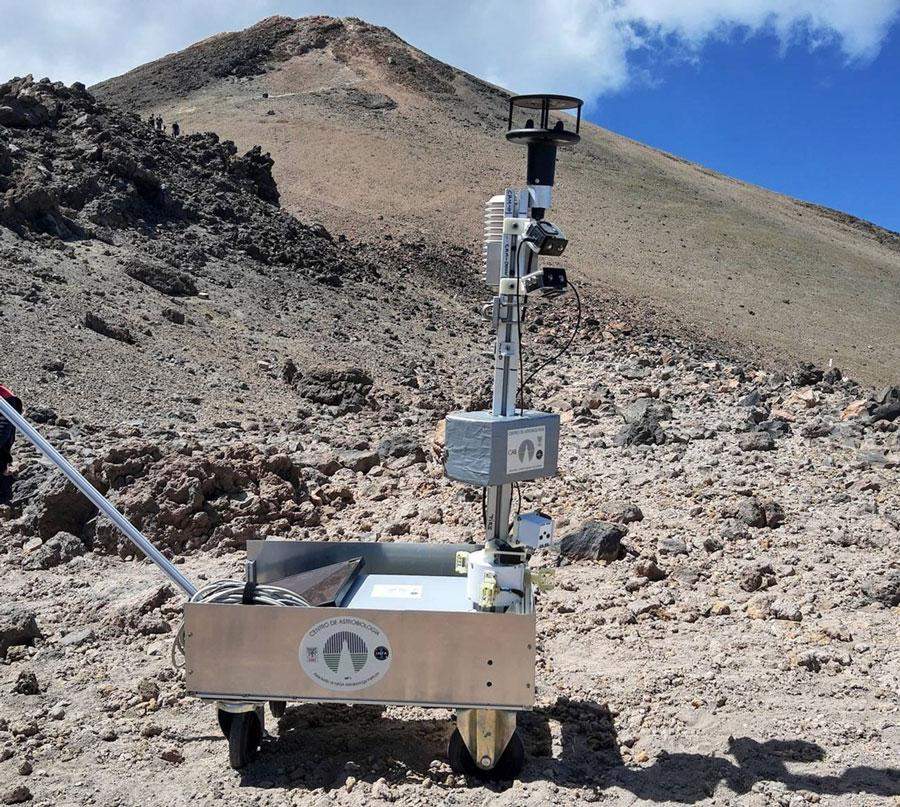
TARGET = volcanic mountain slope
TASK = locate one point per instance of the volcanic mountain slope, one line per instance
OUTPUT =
(370, 134)
(140, 273)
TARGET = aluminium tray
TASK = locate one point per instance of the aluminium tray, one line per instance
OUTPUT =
(428, 656)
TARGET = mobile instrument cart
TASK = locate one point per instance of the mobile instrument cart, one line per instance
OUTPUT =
(435, 625)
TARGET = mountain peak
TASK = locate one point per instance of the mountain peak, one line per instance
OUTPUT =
(269, 42)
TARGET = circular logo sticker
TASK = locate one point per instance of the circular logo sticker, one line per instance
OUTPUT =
(345, 653)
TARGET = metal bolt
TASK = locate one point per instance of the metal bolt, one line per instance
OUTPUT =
(485, 761)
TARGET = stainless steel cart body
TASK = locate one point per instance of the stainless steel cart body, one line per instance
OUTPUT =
(439, 650)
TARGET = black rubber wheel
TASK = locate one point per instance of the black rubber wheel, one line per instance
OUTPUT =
(508, 767)
(224, 721)
(244, 738)
(277, 708)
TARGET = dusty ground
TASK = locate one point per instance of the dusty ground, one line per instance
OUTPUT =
(370, 134)
(744, 650)
(760, 669)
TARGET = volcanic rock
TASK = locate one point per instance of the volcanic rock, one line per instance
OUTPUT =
(17, 627)
(883, 588)
(645, 431)
(621, 512)
(120, 332)
(58, 507)
(757, 441)
(644, 408)
(27, 684)
(401, 445)
(344, 389)
(161, 278)
(594, 540)
(59, 549)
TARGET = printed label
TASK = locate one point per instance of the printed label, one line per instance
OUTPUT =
(345, 653)
(397, 591)
(525, 449)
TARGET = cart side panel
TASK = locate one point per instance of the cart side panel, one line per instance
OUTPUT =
(239, 652)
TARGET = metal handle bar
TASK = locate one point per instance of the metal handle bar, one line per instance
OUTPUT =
(97, 499)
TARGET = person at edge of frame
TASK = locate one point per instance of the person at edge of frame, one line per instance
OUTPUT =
(7, 437)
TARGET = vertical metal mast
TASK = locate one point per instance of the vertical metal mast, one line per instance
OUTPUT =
(498, 449)
(507, 365)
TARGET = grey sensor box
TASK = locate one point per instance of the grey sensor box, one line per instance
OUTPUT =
(485, 449)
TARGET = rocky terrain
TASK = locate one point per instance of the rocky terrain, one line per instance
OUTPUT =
(717, 623)
(371, 135)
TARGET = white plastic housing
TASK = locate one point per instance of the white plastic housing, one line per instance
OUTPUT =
(533, 530)
(508, 577)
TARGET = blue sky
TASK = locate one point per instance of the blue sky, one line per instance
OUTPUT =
(800, 96)
(799, 122)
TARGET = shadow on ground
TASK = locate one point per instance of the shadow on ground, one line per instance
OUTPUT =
(316, 742)
(590, 757)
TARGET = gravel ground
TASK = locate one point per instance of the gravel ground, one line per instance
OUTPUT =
(715, 662)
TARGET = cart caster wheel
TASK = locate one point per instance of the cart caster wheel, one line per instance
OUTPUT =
(224, 719)
(277, 708)
(508, 767)
(244, 738)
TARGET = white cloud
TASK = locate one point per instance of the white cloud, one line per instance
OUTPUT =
(578, 46)
(588, 45)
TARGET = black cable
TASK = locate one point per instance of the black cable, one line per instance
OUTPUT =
(518, 488)
(520, 315)
(566, 347)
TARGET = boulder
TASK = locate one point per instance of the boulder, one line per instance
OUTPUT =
(162, 278)
(748, 511)
(344, 389)
(621, 512)
(59, 549)
(757, 441)
(774, 514)
(139, 613)
(97, 324)
(23, 112)
(883, 588)
(363, 461)
(887, 405)
(27, 684)
(58, 507)
(255, 169)
(594, 540)
(400, 445)
(646, 431)
(17, 627)
(807, 375)
(643, 408)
